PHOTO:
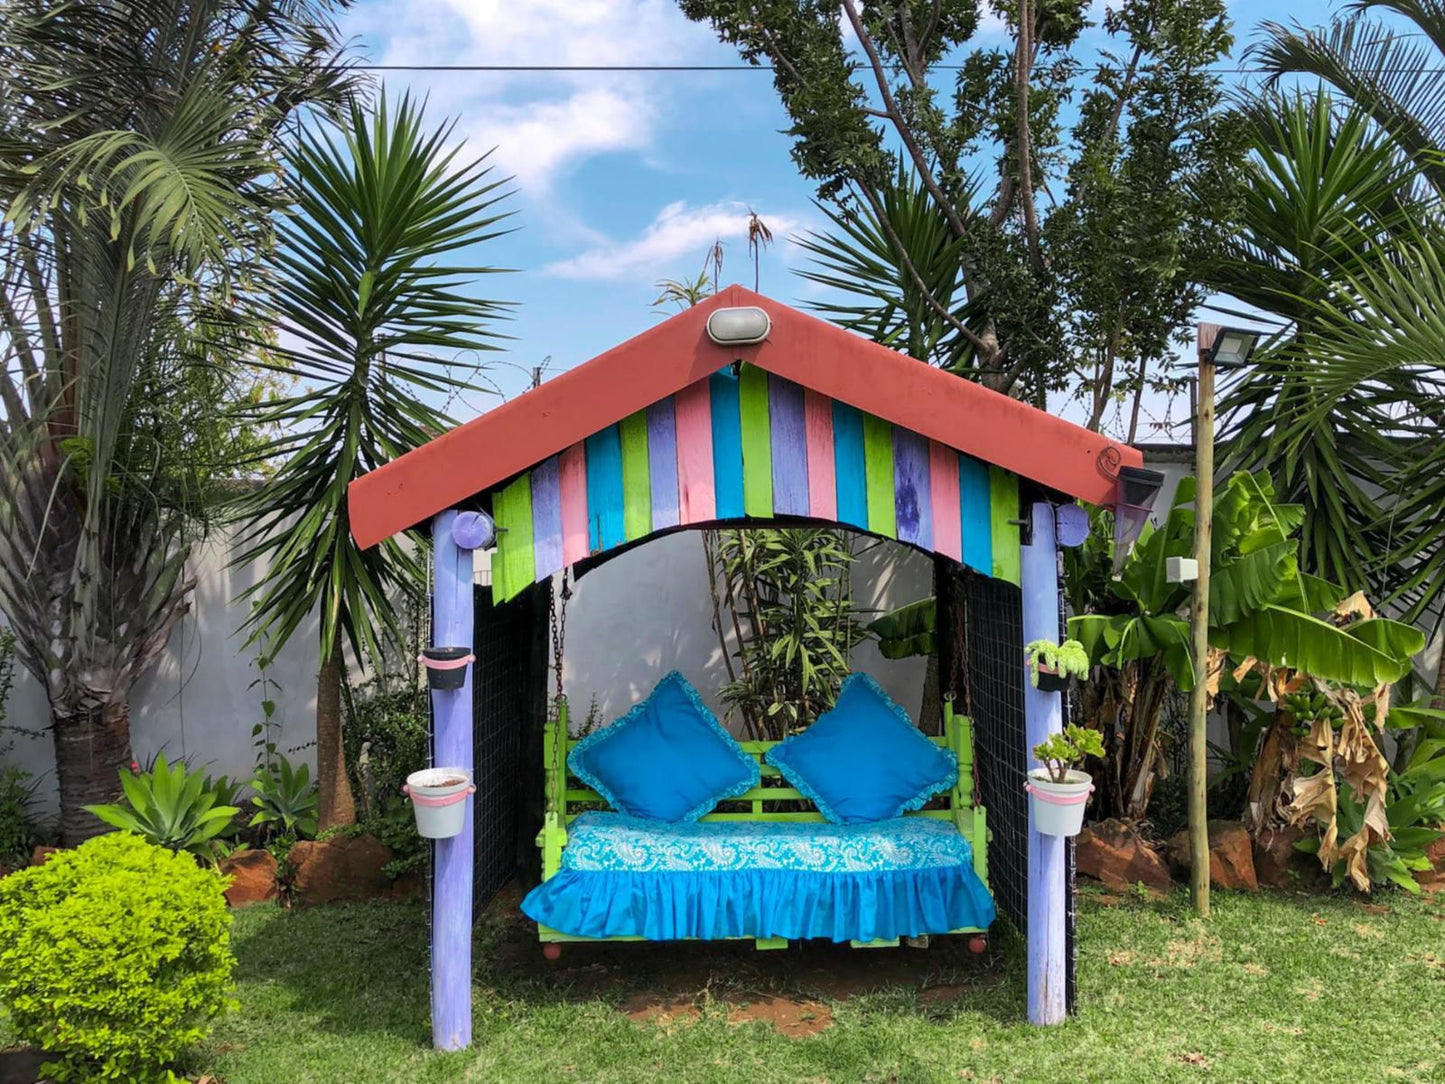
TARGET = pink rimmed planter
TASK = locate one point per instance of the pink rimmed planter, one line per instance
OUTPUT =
(1058, 808)
(446, 667)
(439, 800)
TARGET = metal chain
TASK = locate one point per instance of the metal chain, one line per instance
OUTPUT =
(558, 615)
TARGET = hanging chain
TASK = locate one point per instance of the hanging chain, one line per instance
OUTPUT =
(558, 614)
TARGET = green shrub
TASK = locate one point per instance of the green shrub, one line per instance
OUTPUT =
(114, 958)
(17, 826)
(389, 718)
(172, 806)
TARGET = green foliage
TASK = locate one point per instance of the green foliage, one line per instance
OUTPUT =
(170, 806)
(385, 733)
(285, 800)
(908, 631)
(994, 235)
(114, 958)
(1069, 747)
(1256, 598)
(794, 625)
(18, 836)
(1068, 659)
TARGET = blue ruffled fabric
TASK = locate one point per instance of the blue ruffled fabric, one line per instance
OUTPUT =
(627, 877)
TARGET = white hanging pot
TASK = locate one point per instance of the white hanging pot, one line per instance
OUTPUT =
(439, 800)
(1058, 808)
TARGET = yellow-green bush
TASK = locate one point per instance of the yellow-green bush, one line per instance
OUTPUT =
(114, 958)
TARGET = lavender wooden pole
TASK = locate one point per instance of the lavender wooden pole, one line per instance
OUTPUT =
(451, 942)
(1043, 715)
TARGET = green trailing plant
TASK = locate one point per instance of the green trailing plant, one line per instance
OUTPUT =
(787, 594)
(1061, 751)
(169, 805)
(1068, 659)
(114, 959)
(374, 304)
(285, 800)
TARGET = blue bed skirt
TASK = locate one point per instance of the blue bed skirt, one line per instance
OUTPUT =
(720, 880)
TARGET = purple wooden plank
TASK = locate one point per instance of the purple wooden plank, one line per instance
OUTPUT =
(451, 924)
(912, 488)
(662, 463)
(1043, 715)
(790, 447)
(546, 518)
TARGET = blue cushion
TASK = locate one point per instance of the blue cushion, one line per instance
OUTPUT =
(864, 760)
(667, 759)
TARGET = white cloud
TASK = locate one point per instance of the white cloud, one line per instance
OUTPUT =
(542, 124)
(678, 231)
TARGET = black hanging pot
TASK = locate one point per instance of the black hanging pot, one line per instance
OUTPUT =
(446, 667)
(1051, 681)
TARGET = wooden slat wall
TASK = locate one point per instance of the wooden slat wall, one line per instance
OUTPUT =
(752, 445)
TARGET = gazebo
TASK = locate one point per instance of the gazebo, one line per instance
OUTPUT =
(745, 411)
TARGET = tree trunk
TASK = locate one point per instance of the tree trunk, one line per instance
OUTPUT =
(91, 749)
(334, 788)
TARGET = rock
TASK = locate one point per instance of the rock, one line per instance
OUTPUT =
(1277, 864)
(408, 887)
(41, 855)
(1231, 856)
(1114, 852)
(1435, 853)
(253, 878)
(339, 869)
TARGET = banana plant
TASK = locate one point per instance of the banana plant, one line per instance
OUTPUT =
(171, 806)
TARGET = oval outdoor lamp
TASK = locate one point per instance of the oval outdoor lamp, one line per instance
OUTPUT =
(738, 326)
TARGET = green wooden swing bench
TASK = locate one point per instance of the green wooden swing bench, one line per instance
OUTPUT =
(567, 798)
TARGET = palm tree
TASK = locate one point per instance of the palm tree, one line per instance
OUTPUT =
(368, 295)
(137, 147)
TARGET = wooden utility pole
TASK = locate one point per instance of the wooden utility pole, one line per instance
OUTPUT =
(1199, 622)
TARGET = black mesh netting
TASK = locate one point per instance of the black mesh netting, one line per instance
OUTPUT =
(506, 690)
(982, 650)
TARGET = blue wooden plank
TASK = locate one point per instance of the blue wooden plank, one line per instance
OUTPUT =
(790, 447)
(662, 463)
(848, 466)
(605, 525)
(912, 488)
(975, 514)
(546, 518)
(727, 444)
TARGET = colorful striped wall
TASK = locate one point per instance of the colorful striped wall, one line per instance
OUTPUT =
(757, 446)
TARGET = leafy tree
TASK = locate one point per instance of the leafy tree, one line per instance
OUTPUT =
(370, 293)
(138, 145)
(942, 198)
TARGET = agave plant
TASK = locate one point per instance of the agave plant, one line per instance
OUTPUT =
(171, 806)
(285, 799)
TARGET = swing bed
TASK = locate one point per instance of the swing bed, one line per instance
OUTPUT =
(765, 865)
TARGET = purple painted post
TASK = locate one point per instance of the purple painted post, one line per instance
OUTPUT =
(1043, 715)
(451, 942)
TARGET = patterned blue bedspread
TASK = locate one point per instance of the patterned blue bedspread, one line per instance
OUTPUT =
(616, 841)
(623, 876)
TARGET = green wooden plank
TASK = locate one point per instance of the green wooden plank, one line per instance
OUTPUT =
(878, 469)
(757, 442)
(1003, 499)
(636, 477)
(513, 568)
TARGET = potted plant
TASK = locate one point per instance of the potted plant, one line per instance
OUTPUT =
(1058, 792)
(1051, 665)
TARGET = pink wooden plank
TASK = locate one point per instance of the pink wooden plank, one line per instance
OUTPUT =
(943, 475)
(573, 485)
(694, 454)
(822, 483)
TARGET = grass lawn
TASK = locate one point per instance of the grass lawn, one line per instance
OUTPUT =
(1276, 987)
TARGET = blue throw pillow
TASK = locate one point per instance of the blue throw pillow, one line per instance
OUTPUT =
(864, 760)
(667, 759)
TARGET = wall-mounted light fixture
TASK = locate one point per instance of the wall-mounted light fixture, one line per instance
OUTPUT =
(738, 326)
(1138, 490)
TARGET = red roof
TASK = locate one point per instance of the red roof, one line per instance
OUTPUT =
(665, 359)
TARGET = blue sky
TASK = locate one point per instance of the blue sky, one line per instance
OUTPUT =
(621, 178)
